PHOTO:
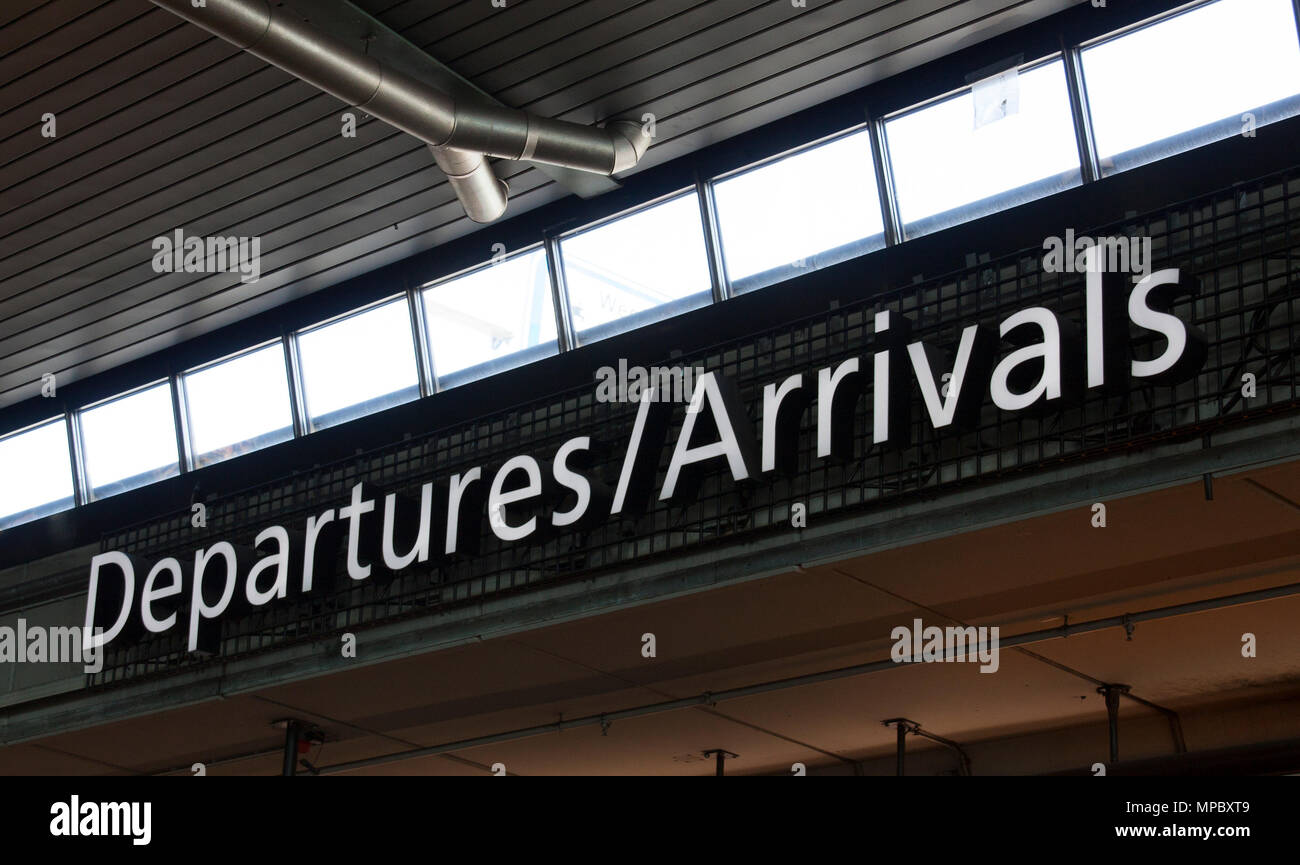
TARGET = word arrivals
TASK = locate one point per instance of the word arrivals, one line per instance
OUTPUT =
(75, 817)
(523, 499)
(193, 254)
(933, 644)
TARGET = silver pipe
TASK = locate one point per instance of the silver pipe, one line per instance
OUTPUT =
(483, 194)
(277, 36)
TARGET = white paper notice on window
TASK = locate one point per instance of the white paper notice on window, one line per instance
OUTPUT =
(996, 97)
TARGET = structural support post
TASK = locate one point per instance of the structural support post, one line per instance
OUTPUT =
(1112, 693)
(291, 730)
(720, 756)
(902, 727)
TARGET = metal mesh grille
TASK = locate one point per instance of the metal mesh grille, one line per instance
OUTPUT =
(1240, 244)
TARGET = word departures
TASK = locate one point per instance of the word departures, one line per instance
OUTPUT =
(1048, 362)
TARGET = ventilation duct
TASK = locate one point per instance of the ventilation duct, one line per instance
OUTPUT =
(460, 134)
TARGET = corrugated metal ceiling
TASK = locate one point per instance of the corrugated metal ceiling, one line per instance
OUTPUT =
(162, 126)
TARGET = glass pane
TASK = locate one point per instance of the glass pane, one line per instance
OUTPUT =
(1188, 80)
(640, 268)
(491, 319)
(948, 171)
(802, 212)
(238, 405)
(37, 473)
(129, 442)
(358, 365)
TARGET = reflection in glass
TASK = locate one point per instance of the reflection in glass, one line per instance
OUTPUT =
(636, 269)
(36, 472)
(490, 319)
(1191, 79)
(129, 441)
(358, 365)
(238, 405)
(799, 212)
(947, 171)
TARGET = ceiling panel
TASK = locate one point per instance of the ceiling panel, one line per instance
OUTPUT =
(162, 126)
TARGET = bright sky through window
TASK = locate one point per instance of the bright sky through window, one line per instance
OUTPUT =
(942, 162)
(636, 263)
(36, 470)
(364, 362)
(1208, 64)
(129, 441)
(798, 206)
(238, 404)
(490, 313)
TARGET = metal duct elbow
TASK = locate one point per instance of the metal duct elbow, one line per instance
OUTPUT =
(630, 141)
(480, 191)
(460, 131)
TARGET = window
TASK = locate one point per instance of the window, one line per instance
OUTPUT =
(946, 170)
(37, 472)
(491, 319)
(238, 405)
(129, 441)
(638, 268)
(1190, 79)
(806, 210)
(358, 365)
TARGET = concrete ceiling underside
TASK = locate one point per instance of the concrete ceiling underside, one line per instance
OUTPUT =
(1039, 712)
(162, 126)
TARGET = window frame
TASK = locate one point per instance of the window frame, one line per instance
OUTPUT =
(883, 202)
(79, 437)
(299, 370)
(436, 380)
(965, 213)
(568, 234)
(1081, 48)
(183, 394)
(74, 474)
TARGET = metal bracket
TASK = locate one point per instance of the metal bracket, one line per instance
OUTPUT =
(1112, 693)
(720, 755)
(906, 726)
(296, 732)
(345, 21)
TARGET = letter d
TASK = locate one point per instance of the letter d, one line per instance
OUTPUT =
(122, 596)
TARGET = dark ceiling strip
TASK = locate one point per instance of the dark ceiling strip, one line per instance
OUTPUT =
(50, 20)
(703, 125)
(814, 47)
(90, 67)
(156, 117)
(295, 148)
(96, 97)
(15, 10)
(682, 39)
(18, 385)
